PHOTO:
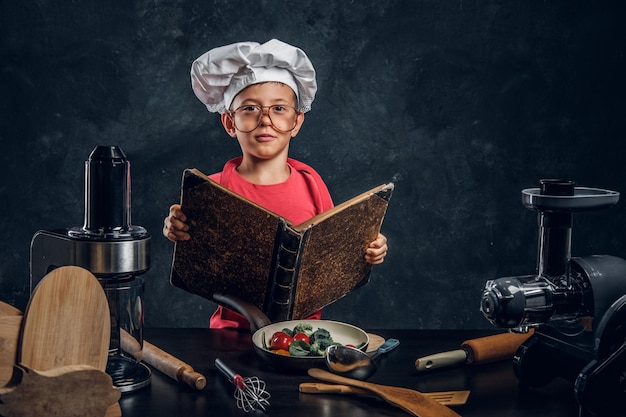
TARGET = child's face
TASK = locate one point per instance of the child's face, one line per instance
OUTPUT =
(265, 141)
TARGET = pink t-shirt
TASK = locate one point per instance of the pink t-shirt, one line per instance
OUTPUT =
(301, 197)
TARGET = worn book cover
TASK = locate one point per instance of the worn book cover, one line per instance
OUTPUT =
(288, 271)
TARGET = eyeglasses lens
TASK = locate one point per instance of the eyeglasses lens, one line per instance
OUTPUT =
(247, 118)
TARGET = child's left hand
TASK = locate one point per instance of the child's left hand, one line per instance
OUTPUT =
(377, 250)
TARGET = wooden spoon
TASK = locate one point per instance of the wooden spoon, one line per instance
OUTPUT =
(411, 401)
(67, 322)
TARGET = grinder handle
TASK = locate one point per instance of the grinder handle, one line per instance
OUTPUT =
(494, 348)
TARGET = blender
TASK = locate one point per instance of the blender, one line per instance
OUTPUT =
(111, 248)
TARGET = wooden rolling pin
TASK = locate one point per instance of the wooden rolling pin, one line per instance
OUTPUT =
(476, 351)
(163, 361)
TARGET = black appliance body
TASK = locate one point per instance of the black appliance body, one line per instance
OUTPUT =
(577, 305)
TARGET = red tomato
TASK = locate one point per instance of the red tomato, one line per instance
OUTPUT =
(350, 345)
(301, 336)
(280, 340)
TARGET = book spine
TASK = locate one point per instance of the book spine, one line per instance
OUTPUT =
(284, 273)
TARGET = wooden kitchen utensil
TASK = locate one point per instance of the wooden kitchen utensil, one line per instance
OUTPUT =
(411, 401)
(67, 322)
(172, 366)
(48, 390)
(68, 391)
(9, 310)
(375, 342)
(476, 351)
(163, 361)
(443, 397)
(10, 324)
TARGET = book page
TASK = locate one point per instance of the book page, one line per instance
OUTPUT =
(231, 247)
(333, 260)
(331, 212)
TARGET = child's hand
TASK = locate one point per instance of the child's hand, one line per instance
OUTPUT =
(174, 226)
(377, 250)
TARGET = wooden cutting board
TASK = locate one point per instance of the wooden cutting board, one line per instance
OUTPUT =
(9, 310)
(69, 391)
(375, 342)
(10, 324)
(67, 322)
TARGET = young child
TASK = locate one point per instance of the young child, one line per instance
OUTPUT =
(262, 92)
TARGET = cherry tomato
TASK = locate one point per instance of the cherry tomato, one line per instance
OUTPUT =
(301, 336)
(350, 345)
(280, 340)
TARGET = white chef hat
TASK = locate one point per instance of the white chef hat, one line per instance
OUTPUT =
(220, 74)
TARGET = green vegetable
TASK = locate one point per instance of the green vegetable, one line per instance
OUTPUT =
(299, 348)
(303, 327)
(318, 349)
(321, 334)
(320, 340)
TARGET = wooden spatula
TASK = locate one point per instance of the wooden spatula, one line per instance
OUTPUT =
(411, 401)
(10, 324)
(443, 397)
(67, 322)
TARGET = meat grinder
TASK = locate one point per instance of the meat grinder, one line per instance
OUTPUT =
(577, 305)
(115, 251)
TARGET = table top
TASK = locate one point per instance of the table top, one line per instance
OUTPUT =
(494, 387)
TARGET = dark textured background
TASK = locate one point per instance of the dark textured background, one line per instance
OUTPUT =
(461, 103)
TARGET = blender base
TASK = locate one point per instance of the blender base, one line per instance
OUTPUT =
(127, 374)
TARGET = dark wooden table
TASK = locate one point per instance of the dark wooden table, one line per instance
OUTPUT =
(494, 387)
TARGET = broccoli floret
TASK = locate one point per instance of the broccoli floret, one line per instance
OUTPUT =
(315, 350)
(321, 334)
(318, 347)
(299, 348)
(303, 327)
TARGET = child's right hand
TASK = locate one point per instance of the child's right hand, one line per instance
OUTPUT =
(174, 226)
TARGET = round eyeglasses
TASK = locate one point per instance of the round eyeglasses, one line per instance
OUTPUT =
(247, 118)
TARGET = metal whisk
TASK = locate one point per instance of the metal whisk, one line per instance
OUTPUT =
(250, 392)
